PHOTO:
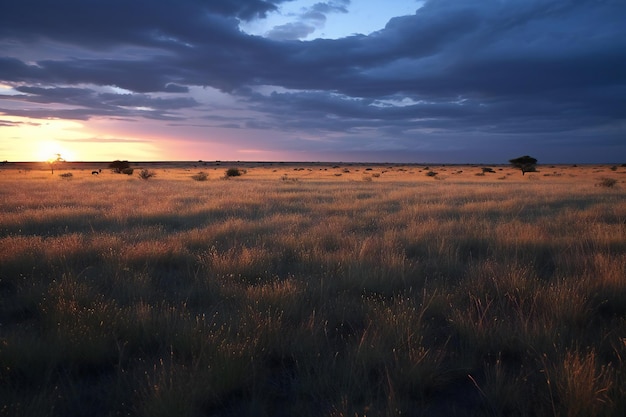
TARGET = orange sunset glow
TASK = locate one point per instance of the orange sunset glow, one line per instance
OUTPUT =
(41, 140)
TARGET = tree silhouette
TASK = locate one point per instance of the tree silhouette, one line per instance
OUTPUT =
(57, 160)
(525, 163)
(119, 166)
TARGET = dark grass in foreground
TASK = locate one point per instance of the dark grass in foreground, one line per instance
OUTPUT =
(278, 298)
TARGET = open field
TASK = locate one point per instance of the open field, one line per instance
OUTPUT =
(312, 290)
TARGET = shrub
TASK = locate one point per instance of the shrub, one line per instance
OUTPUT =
(200, 176)
(488, 170)
(119, 166)
(233, 172)
(607, 182)
(431, 174)
(286, 178)
(144, 174)
(66, 175)
(128, 171)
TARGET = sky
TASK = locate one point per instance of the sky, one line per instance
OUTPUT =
(450, 81)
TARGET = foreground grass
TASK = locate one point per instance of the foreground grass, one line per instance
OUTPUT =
(324, 295)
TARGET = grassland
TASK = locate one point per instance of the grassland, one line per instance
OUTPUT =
(313, 290)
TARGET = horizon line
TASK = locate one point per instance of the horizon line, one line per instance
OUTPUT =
(217, 161)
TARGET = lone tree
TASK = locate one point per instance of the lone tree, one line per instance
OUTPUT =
(525, 163)
(119, 166)
(56, 160)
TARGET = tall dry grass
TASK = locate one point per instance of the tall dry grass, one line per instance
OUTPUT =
(326, 295)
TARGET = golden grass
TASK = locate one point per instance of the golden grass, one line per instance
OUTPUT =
(293, 290)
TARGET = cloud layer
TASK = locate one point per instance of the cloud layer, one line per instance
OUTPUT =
(459, 75)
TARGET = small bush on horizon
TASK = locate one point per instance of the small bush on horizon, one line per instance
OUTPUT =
(287, 178)
(431, 174)
(233, 172)
(200, 176)
(127, 171)
(119, 166)
(66, 175)
(144, 174)
(607, 182)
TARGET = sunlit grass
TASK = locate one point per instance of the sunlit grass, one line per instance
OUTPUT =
(322, 295)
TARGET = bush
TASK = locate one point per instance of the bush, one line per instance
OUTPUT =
(233, 172)
(286, 178)
(119, 166)
(145, 174)
(607, 182)
(127, 171)
(200, 176)
(431, 174)
(66, 175)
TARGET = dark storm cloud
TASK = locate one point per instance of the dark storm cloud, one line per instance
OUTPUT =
(88, 103)
(12, 69)
(10, 123)
(175, 88)
(111, 21)
(318, 11)
(496, 67)
(89, 98)
(293, 30)
(308, 21)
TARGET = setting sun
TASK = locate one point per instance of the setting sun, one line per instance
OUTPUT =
(51, 150)
(41, 140)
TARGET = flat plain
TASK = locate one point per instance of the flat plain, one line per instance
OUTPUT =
(312, 289)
